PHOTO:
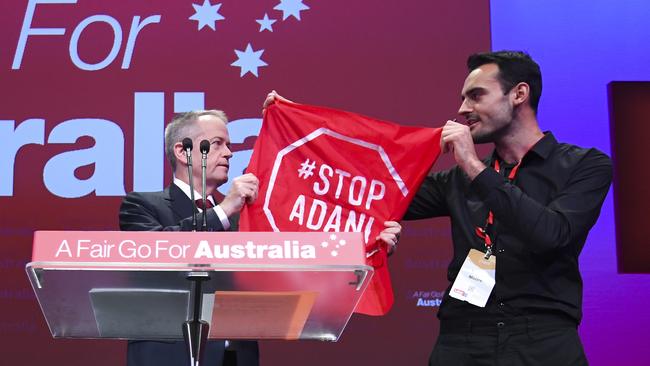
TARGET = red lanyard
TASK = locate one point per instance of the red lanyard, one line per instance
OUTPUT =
(482, 232)
(513, 172)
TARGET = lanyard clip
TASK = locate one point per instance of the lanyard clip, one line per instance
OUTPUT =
(488, 253)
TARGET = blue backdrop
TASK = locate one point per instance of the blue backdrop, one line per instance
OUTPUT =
(582, 46)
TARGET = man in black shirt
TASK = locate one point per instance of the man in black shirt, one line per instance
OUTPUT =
(530, 205)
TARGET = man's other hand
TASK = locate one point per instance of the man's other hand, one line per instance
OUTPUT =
(272, 97)
(390, 235)
(243, 190)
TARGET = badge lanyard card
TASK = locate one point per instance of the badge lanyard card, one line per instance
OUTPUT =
(476, 277)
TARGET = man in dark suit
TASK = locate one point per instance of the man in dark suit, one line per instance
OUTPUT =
(171, 210)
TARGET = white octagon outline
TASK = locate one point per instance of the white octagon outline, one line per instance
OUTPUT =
(316, 133)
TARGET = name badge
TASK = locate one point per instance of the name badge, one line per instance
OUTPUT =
(476, 279)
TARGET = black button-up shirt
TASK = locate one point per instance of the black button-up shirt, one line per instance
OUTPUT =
(541, 222)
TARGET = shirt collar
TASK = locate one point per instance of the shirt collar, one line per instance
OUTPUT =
(186, 189)
(542, 148)
(545, 145)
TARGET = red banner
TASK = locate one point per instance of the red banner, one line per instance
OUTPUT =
(327, 170)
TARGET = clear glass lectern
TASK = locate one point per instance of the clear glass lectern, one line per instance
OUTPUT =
(139, 285)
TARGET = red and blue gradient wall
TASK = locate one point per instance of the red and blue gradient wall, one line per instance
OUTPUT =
(582, 47)
(82, 110)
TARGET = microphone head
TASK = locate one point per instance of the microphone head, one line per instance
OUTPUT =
(187, 144)
(205, 146)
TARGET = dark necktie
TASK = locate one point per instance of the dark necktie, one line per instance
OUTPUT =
(208, 204)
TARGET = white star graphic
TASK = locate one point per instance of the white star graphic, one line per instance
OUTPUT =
(249, 60)
(206, 14)
(291, 8)
(266, 23)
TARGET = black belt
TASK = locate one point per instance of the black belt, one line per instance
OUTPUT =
(507, 324)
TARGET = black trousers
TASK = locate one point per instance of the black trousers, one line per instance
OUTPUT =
(152, 353)
(519, 341)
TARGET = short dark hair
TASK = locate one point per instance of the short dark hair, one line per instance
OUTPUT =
(514, 67)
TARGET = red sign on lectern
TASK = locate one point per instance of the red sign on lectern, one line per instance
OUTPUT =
(236, 248)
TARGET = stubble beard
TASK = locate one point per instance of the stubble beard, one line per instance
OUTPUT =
(501, 124)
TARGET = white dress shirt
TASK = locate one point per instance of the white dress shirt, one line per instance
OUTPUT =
(219, 211)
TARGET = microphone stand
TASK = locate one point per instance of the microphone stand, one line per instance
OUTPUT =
(187, 146)
(205, 148)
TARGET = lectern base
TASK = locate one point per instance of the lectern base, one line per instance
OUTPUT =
(196, 339)
(195, 331)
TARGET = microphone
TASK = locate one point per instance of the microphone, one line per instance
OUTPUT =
(187, 147)
(205, 148)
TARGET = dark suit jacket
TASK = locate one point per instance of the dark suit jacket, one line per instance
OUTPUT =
(171, 210)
